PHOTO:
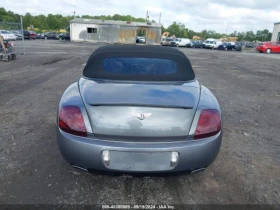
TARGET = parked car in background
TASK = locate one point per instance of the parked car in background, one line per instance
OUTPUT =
(50, 35)
(142, 40)
(181, 42)
(42, 36)
(7, 35)
(269, 47)
(18, 34)
(230, 46)
(238, 46)
(139, 39)
(212, 43)
(226, 46)
(38, 36)
(63, 36)
(195, 44)
(29, 35)
(249, 45)
(167, 42)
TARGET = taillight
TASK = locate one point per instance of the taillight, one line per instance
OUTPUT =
(71, 121)
(209, 124)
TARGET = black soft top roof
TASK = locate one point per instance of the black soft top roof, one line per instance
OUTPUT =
(94, 66)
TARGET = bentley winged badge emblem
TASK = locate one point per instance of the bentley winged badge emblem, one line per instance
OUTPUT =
(141, 116)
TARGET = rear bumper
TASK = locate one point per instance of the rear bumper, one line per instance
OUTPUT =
(87, 152)
(261, 49)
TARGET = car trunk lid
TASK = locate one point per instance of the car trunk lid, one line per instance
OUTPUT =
(138, 111)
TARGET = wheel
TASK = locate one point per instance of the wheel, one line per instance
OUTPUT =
(46, 37)
(14, 56)
(226, 49)
(177, 45)
(268, 51)
(8, 58)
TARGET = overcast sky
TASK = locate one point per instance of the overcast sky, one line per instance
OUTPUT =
(240, 15)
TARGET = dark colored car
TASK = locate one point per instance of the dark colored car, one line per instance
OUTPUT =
(64, 36)
(195, 44)
(229, 46)
(50, 35)
(226, 46)
(39, 36)
(238, 46)
(29, 35)
(249, 45)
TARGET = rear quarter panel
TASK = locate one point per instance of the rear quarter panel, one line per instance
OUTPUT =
(72, 97)
(207, 101)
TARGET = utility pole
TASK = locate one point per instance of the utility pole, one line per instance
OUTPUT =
(159, 17)
(147, 16)
(21, 27)
(74, 14)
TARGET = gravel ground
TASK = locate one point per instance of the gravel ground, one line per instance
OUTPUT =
(246, 170)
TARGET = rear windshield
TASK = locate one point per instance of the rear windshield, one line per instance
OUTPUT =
(138, 63)
(169, 39)
(148, 66)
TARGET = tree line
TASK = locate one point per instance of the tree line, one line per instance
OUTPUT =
(56, 22)
(179, 30)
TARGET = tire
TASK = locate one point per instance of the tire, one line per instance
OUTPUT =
(46, 37)
(9, 58)
(226, 49)
(268, 51)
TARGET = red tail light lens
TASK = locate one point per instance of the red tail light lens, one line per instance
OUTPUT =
(209, 124)
(71, 121)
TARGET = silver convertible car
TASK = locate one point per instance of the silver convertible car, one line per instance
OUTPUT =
(139, 109)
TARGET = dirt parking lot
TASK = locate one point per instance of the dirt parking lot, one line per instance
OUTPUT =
(246, 170)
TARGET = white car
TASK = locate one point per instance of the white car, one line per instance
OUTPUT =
(7, 35)
(142, 40)
(212, 43)
(181, 42)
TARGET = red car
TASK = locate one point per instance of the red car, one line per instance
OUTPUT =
(29, 35)
(269, 47)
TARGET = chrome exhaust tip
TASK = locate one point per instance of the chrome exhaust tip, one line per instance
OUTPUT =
(198, 170)
(79, 167)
